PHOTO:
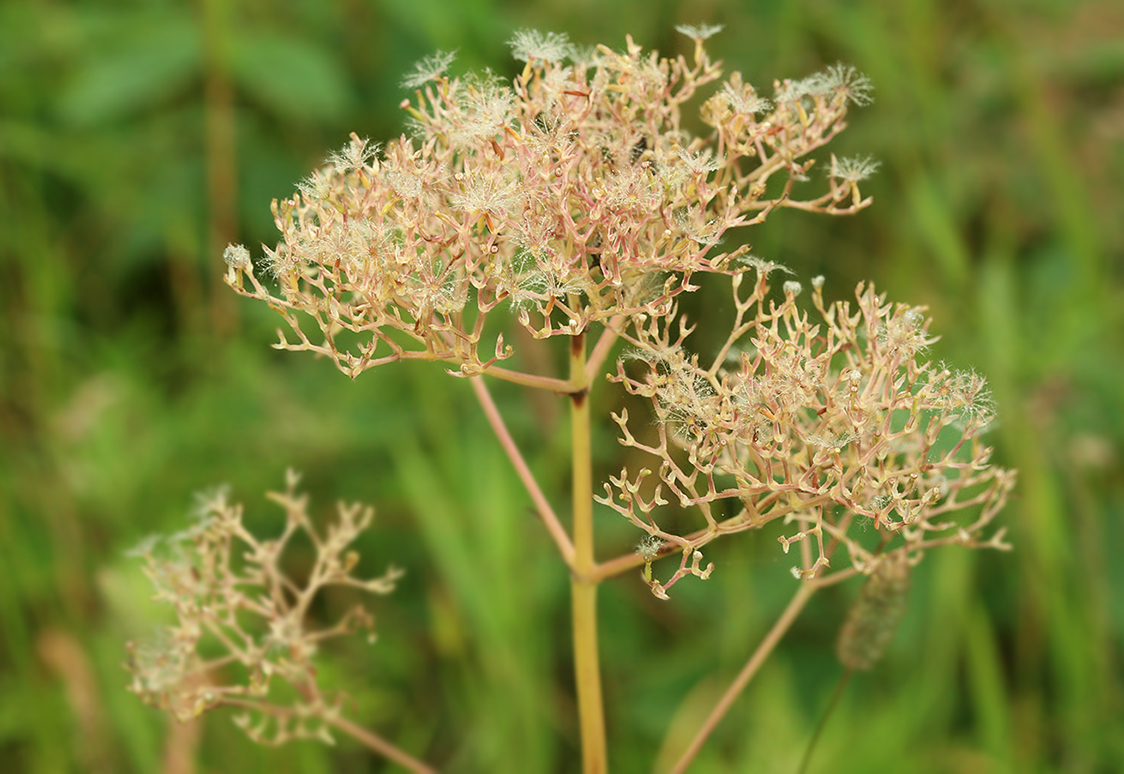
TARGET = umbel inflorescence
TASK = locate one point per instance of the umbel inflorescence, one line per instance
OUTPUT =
(242, 624)
(829, 425)
(574, 195)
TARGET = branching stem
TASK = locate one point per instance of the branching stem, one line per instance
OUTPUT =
(380, 745)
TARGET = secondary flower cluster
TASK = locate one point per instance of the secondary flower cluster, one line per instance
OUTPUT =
(827, 426)
(575, 194)
(241, 622)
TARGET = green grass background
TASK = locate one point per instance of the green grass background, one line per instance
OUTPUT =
(137, 138)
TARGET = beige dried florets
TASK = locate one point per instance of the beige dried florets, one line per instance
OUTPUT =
(574, 194)
(241, 624)
(828, 426)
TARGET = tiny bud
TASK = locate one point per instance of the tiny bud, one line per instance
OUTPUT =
(817, 282)
(792, 288)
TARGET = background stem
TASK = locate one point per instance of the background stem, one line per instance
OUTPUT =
(782, 624)
(380, 745)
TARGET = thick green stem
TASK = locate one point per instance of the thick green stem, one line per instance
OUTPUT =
(587, 670)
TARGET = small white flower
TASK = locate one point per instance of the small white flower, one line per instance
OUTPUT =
(428, 69)
(700, 32)
(849, 82)
(854, 168)
(701, 163)
(358, 153)
(763, 267)
(743, 98)
(534, 46)
(649, 547)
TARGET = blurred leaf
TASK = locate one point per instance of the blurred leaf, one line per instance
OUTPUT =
(144, 63)
(293, 76)
(936, 222)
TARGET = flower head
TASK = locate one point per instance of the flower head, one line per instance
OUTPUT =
(853, 168)
(233, 604)
(820, 426)
(405, 252)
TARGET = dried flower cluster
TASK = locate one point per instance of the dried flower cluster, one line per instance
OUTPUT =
(829, 426)
(574, 194)
(241, 623)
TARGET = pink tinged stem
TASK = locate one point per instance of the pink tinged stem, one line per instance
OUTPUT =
(542, 506)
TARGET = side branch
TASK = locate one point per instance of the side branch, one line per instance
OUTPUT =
(561, 386)
(542, 506)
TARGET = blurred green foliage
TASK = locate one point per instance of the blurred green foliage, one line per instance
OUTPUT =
(138, 138)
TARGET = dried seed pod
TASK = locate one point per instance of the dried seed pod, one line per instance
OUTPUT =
(876, 613)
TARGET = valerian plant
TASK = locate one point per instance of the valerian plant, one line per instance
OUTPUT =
(574, 202)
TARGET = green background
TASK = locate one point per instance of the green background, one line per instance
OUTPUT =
(137, 139)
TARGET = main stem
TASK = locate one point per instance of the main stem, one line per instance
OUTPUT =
(583, 585)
